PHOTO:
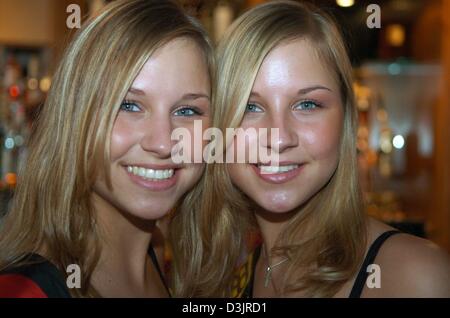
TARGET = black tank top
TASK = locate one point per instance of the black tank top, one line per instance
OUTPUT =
(360, 281)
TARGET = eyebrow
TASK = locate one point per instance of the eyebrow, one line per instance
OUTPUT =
(192, 96)
(306, 90)
(136, 91)
(189, 96)
(301, 91)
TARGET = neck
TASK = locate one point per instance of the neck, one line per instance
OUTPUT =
(271, 225)
(124, 263)
(269, 269)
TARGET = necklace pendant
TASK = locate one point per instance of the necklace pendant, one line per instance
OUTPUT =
(267, 276)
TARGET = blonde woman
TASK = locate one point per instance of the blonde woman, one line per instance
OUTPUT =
(284, 65)
(100, 172)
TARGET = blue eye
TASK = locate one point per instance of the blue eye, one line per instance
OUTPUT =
(129, 106)
(253, 108)
(187, 112)
(307, 105)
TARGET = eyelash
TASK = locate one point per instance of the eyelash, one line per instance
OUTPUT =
(251, 104)
(197, 111)
(314, 102)
(128, 103)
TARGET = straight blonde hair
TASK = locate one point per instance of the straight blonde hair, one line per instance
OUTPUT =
(51, 211)
(327, 235)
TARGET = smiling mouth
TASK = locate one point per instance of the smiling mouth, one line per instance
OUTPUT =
(151, 174)
(278, 174)
(265, 169)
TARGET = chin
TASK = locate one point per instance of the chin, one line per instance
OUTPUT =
(153, 212)
(277, 207)
(283, 202)
(140, 216)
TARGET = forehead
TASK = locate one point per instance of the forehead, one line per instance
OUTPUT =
(294, 63)
(179, 62)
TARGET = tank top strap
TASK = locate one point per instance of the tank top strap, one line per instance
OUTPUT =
(360, 281)
(152, 254)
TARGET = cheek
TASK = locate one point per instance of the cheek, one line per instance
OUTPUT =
(322, 140)
(123, 136)
(197, 170)
(235, 171)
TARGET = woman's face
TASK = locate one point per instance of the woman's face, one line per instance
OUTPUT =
(171, 91)
(296, 93)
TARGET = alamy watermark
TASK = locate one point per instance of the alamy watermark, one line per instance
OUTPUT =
(374, 278)
(239, 146)
(73, 20)
(74, 276)
(374, 19)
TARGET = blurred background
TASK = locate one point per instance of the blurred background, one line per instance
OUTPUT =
(402, 84)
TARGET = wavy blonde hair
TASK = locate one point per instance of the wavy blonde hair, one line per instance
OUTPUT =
(327, 235)
(51, 211)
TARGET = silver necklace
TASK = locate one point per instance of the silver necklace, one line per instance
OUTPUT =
(269, 268)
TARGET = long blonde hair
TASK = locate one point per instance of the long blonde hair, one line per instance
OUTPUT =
(52, 210)
(327, 234)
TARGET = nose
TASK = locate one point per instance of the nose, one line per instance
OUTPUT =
(286, 137)
(156, 139)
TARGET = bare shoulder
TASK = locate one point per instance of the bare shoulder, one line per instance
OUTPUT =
(409, 266)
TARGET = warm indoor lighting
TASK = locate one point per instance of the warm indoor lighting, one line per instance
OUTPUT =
(45, 83)
(11, 179)
(398, 142)
(395, 34)
(33, 84)
(345, 3)
(382, 115)
(222, 18)
(385, 142)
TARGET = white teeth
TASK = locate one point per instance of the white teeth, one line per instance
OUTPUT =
(277, 169)
(151, 173)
